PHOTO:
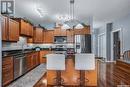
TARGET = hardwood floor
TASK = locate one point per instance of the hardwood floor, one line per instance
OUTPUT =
(108, 75)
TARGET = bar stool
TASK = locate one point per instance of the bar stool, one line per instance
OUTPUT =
(56, 62)
(84, 62)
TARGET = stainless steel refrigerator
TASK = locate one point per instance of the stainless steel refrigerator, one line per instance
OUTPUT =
(83, 43)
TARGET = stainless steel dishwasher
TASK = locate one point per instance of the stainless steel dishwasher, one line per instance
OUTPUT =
(19, 65)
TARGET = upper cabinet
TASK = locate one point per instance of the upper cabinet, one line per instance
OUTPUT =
(38, 35)
(26, 29)
(85, 30)
(59, 32)
(70, 36)
(48, 36)
(13, 30)
(4, 28)
(10, 29)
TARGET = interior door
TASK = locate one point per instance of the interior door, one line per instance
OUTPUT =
(116, 45)
(102, 46)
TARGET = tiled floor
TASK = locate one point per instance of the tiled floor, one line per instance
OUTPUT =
(30, 79)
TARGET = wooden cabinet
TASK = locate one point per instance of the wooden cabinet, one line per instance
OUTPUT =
(26, 29)
(38, 35)
(70, 36)
(32, 60)
(63, 32)
(83, 31)
(29, 40)
(77, 31)
(42, 55)
(59, 32)
(86, 30)
(36, 60)
(4, 28)
(7, 70)
(48, 36)
(28, 61)
(30, 30)
(13, 29)
(10, 29)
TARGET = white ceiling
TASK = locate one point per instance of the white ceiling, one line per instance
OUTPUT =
(101, 10)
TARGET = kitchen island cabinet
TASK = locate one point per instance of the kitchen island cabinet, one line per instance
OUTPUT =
(71, 76)
(7, 70)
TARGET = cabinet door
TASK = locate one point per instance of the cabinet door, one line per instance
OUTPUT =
(29, 40)
(36, 58)
(82, 31)
(7, 70)
(38, 35)
(77, 31)
(28, 61)
(4, 28)
(30, 30)
(57, 32)
(85, 30)
(42, 56)
(13, 30)
(70, 36)
(23, 27)
(49, 36)
(63, 32)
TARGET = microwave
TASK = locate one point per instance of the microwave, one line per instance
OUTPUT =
(60, 39)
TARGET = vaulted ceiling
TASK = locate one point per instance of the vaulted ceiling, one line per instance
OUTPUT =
(100, 10)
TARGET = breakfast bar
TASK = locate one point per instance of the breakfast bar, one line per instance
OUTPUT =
(70, 76)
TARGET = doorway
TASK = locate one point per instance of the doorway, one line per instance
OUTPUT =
(116, 46)
(102, 45)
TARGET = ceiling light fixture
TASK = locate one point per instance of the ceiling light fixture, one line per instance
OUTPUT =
(73, 22)
(69, 21)
(41, 12)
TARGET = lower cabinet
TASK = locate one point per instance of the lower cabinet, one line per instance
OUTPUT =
(42, 55)
(32, 60)
(7, 70)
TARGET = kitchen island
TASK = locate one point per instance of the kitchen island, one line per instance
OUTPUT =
(71, 76)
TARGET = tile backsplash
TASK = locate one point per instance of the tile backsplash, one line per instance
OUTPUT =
(22, 44)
